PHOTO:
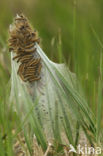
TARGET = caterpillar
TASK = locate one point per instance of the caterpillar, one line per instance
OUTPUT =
(21, 42)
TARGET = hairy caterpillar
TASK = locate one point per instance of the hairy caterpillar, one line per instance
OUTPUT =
(21, 42)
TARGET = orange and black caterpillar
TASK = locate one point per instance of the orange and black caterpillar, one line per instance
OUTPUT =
(21, 42)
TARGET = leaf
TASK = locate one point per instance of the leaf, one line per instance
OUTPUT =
(52, 105)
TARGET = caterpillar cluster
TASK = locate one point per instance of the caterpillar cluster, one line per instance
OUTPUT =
(21, 42)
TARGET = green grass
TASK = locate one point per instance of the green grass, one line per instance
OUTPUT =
(70, 32)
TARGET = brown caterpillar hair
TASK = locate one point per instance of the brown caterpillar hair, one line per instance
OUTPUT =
(21, 42)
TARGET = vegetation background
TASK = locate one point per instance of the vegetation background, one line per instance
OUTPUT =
(75, 21)
(71, 31)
